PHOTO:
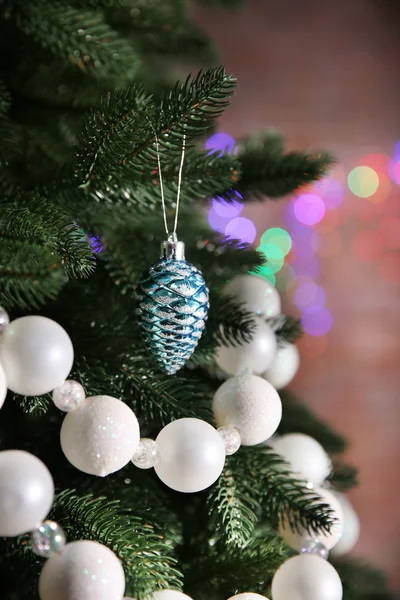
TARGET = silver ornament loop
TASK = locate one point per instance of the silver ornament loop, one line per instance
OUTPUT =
(173, 248)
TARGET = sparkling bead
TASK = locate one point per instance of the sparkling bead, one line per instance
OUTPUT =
(69, 396)
(48, 539)
(314, 547)
(231, 438)
(4, 319)
(147, 454)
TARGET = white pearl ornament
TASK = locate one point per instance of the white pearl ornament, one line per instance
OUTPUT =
(169, 595)
(284, 366)
(306, 577)
(254, 356)
(351, 527)
(101, 436)
(26, 492)
(84, 570)
(249, 403)
(257, 295)
(3, 386)
(36, 354)
(248, 596)
(297, 539)
(306, 457)
(192, 455)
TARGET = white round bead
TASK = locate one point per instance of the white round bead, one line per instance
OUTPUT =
(255, 355)
(4, 319)
(306, 457)
(351, 527)
(69, 396)
(248, 596)
(306, 577)
(296, 539)
(231, 438)
(3, 386)
(101, 436)
(83, 571)
(284, 366)
(168, 595)
(249, 403)
(192, 455)
(26, 492)
(37, 355)
(147, 454)
(257, 295)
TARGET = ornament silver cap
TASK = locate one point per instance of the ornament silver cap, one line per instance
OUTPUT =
(172, 248)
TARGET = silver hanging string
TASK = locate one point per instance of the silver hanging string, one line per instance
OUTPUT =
(178, 195)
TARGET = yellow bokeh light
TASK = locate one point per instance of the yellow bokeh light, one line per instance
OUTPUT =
(363, 181)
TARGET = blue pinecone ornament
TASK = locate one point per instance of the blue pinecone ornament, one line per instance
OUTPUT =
(172, 307)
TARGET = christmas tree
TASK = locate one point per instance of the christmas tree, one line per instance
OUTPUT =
(91, 114)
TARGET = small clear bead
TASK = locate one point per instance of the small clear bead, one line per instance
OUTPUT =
(4, 319)
(48, 540)
(69, 396)
(314, 547)
(147, 454)
(231, 438)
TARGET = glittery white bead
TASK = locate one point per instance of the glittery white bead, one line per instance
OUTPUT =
(297, 539)
(4, 319)
(147, 454)
(248, 596)
(101, 436)
(69, 396)
(257, 295)
(192, 455)
(26, 492)
(306, 457)
(231, 438)
(284, 366)
(36, 354)
(306, 577)
(48, 539)
(249, 403)
(254, 356)
(351, 527)
(83, 571)
(3, 386)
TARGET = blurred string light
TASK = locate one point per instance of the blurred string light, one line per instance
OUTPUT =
(363, 181)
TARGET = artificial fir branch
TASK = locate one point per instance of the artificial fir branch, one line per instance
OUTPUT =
(286, 328)
(343, 477)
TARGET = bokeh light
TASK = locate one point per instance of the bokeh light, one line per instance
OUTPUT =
(227, 210)
(241, 229)
(368, 245)
(379, 162)
(383, 191)
(309, 267)
(363, 181)
(276, 236)
(309, 294)
(309, 209)
(216, 221)
(331, 191)
(273, 255)
(95, 244)
(389, 267)
(222, 142)
(317, 321)
(394, 170)
(265, 272)
(390, 231)
(329, 221)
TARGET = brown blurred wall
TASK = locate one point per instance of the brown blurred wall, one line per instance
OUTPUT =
(326, 75)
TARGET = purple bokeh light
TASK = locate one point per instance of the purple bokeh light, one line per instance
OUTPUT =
(227, 210)
(394, 170)
(306, 266)
(222, 142)
(95, 244)
(241, 229)
(216, 221)
(317, 321)
(305, 242)
(332, 193)
(308, 295)
(396, 153)
(309, 209)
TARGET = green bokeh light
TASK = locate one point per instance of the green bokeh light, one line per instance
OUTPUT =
(363, 181)
(277, 237)
(274, 256)
(265, 272)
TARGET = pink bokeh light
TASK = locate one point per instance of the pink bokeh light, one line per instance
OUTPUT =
(241, 229)
(309, 209)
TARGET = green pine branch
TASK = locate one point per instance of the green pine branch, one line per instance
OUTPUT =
(76, 35)
(298, 418)
(343, 477)
(287, 329)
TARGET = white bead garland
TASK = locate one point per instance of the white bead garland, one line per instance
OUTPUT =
(284, 366)
(351, 527)
(254, 356)
(3, 386)
(256, 294)
(306, 577)
(26, 492)
(192, 455)
(69, 396)
(306, 457)
(297, 538)
(101, 436)
(36, 354)
(249, 403)
(248, 596)
(85, 570)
